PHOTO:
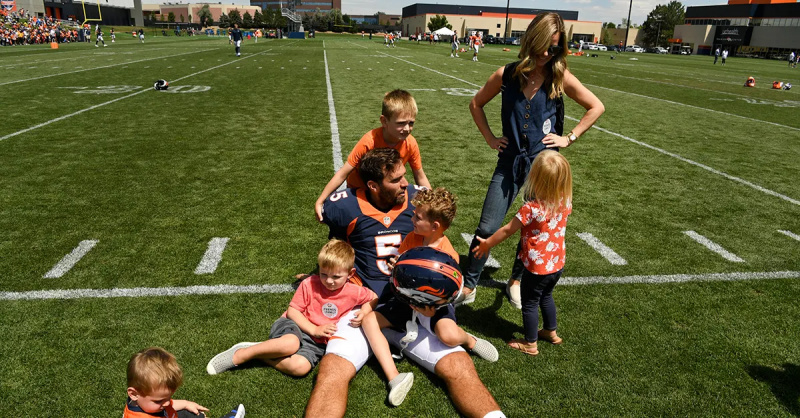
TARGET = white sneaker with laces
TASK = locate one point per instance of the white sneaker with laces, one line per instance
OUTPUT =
(465, 300)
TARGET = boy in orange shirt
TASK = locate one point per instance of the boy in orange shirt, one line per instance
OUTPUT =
(398, 113)
(297, 340)
(153, 377)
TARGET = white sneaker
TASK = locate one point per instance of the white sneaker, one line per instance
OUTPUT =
(456, 55)
(104, 45)
(484, 349)
(223, 361)
(451, 55)
(399, 388)
(514, 295)
(96, 46)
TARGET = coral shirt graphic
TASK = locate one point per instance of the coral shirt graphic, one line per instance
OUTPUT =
(330, 310)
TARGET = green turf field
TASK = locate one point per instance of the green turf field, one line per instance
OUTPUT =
(132, 185)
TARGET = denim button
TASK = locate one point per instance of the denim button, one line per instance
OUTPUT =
(527, 116)
(527, 106)
(525, 126)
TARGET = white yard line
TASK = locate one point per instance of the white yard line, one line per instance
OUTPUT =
(693, 107)
(713, 246)
(491, 261)
(105, 66)
(138, 292)
(60, 118)
(336, 146)
(69, 260)
(680, 278)
(790, 234)
(212, 257)
(602, 249)
(696, 164)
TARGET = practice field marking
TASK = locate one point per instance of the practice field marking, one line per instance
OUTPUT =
(790, 234)
(105, 66)
(60, 118)
(69, 260)
(694, 107)
(491, 261)
(680, 278)
(654, 148)
(336, 146)
(696, 164)
(138, 292)
(602, 249)
(713, 246)
(212, 257)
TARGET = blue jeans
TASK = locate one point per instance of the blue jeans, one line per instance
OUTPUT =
(503, 189)
(537, 292)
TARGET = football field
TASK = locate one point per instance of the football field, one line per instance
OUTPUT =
(131, 217)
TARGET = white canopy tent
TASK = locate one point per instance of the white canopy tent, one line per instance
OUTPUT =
(444, 31)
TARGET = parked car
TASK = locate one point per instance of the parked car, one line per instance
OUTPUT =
(572, 45)
(511, 41)
(660, 50)
(634, 48)
(602, 47)
(489, 39)
(686, 50)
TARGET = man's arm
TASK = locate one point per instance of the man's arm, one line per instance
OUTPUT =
(331, 187)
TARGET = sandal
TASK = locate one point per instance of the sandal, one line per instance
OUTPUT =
(551, 338)
(524, 346)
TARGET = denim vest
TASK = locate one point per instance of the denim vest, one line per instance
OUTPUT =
(526, 122)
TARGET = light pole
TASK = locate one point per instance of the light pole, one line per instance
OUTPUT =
(628, 25)
(505, 32)
(658, 34)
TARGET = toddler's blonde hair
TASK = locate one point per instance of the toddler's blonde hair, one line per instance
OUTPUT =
(152, 369)
(336, 254)
(549, 182)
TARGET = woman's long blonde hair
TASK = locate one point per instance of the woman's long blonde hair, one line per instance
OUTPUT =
(549, 182)
(537, 38)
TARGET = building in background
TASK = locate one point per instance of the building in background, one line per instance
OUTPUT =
(299, 6)
(189, 11)
(749, 28)
(492, 20)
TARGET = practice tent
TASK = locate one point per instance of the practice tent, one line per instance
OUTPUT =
(444, 31)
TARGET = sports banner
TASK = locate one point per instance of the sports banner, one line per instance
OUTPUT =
(8, 6)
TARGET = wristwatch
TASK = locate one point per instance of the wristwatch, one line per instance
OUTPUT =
(572, 137)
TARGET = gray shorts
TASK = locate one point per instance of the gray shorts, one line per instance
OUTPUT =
(309, 349)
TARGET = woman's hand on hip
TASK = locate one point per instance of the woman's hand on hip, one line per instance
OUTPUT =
(498, 143)
(552, 140)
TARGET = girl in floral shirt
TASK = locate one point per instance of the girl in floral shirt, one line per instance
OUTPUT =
(543, 221)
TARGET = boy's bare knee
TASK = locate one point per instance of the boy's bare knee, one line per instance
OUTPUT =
(297, 366)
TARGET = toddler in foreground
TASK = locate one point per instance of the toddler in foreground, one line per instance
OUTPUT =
(153, 377)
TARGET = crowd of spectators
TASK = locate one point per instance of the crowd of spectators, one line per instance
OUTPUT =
(20, 28)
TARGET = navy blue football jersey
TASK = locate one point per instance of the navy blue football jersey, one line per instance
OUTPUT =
(375, 236)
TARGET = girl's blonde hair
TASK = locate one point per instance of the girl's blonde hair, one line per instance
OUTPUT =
(537, 39)
(550, 182)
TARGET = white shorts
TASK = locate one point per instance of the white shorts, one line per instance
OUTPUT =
(141, 36)
(352, 345)
(476, 47)
(238, 43)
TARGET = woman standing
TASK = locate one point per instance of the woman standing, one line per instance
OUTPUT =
(532, 116)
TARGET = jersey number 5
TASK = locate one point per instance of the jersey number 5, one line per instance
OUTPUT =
(387, 246)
